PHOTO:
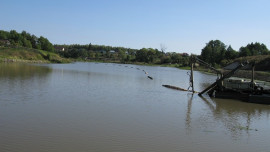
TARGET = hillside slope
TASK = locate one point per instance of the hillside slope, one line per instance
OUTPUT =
(262, 62)
(21, 54)
(262, 67)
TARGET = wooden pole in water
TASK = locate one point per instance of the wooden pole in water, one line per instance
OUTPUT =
(191, 77)
(252, 76)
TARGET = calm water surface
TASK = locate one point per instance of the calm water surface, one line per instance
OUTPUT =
(101, 107)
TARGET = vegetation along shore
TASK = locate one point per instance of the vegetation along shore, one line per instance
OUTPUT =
(26, 47)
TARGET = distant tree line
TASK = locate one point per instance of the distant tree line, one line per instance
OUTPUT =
(217, 53)
(95, 52)
(149, 55)
(24, 39)
(101, 52)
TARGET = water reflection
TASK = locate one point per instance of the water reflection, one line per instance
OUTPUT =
(112, 107)
(238, 118)
(188, 117)
(22, 71)
(22, 83)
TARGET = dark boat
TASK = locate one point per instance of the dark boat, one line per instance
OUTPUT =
(232, 88)
(246, 97)
(243, 90)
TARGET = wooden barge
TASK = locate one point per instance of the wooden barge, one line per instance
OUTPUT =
(261, 98)
(229, 88)
(243, 90)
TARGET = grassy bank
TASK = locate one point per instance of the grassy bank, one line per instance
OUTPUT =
(262, 62)
(258, 75)
(262, 67)
(20, 54)
(246, 74)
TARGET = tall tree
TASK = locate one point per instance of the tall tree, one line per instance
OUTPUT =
(176, 58)
(16, 38)
(90, 47)
(34, 42)
(253, 49)
(141, 55)
(45, 44)
(230, 53)
(4, 35)
(214, 52)
(26, 43)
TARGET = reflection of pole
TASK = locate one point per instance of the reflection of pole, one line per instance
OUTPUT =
(188, 118)
(191, 77)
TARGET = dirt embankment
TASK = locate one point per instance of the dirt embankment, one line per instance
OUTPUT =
(258, 75)
(262, 62)
(262, 67)
(20, 54)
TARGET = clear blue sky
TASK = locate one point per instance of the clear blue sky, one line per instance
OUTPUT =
(181, 26)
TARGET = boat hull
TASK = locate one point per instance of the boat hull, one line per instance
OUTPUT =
(246, 97)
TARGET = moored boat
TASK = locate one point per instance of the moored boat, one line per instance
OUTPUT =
(243, 90)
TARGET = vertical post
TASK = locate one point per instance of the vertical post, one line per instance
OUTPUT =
(252, 75)
(191, 77)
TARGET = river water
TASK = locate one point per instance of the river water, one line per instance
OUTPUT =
(105, 107)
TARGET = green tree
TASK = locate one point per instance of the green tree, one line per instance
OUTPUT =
(92, 54)
(213, 52)
(122, 54)
(26, 35)
(45, 44)
(165, 59)
(151, 55)
(90, 47)
(16, 38)
(4, 35)
(253, 49)
(83, 53)
(34, 42)
(176, 58)
(230, 53)
(243, 51)
(26, 43)
(141, 55)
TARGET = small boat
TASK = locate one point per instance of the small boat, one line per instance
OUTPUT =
(150, 77)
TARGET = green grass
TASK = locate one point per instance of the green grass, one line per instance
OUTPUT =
(262, 62)
(21, 54)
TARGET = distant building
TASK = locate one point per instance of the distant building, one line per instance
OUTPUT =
(112, 51)
(59, 48)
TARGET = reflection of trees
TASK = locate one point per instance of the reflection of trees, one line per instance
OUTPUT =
(22, 81)
(237, 117)
(22, 71)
